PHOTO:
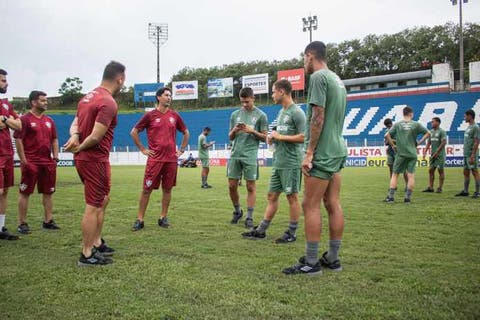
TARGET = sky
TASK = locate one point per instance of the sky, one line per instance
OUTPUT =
(42, 42)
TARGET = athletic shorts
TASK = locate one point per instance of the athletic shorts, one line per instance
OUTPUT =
(438, 163)
(157, 172)
(326, 168)
(205, 162)
(403, 164)
(42, 174)
(390, 159)
(467, 165)
(96, 178)
(285, 180)
(6, 172)
(236, 168)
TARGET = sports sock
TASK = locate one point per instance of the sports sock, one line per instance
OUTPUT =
(477, 186)
(391, 192)
(249, 213)
(204, 180)
(2, 221)
(466, 184)
(333, 248)
(311, 252)
(237, 208)
(408, 194)
(292, 227)
(263, 226)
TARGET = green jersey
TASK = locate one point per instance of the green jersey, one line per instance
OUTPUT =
(290, 122)
(326, 90)
(406, 133)
(202, 151)
(437, 136)
(245, 145)
(472, 133)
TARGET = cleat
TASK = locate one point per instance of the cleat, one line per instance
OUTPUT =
(287, 237)
(50, 225)
(439, 190)
(249, 223)
(333, 266)
(388, 200)
(163, 222)
(462, 194)
(476, 195)
(302, 267)
(104, 250)
(206, 186)
(138, 225)
(407, 201)
(5, 235)
(23, 228)
(94, 260)
(428, 190)
(254, 234)
(236, 217)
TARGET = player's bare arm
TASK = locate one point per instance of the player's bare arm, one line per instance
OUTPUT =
(74, 139)
(93, 139)
(391, 141)
(138, 143)
(425, 137)
(298, 138)
(474, 151)
(186, 136)
(21, 151)
(316, 127)
(427, 147)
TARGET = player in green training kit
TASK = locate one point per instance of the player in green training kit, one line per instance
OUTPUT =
(325, 155)
(471, 140)
(405, 148)
(287, 158)
(438, 140)
(203, 147)
(248, 126)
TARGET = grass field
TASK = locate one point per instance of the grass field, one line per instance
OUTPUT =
(418, 261)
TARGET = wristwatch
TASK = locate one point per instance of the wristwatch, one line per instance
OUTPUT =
(4, 119)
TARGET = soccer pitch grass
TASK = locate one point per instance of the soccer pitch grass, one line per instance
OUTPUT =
(417, 261)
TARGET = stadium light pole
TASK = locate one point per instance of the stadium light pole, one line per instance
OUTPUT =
(158, 34)
(310, 23)
(462, 69)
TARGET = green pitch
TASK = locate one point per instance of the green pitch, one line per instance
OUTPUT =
(400, 262)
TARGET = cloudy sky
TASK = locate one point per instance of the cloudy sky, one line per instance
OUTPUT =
(45, 41)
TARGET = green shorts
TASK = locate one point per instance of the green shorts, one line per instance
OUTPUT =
(390, 159)
(403, 164)
(238, 168)
(205, 162)
(285, 180)
(326, 168)
(438, 163)
(467, 165)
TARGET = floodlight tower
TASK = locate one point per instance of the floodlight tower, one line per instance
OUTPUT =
(158, 34)
(462, 69)
(310, 23)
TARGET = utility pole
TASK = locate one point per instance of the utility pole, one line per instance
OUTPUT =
(460, 14)
(158, 34)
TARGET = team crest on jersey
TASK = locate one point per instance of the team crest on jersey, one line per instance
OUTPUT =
(286, 119)
(148, 183)
(172, 120)
(254, 120)
(238, 119)
(48, 124)
(33, 124)
(157, 120)
(23, 187)
(5, 106)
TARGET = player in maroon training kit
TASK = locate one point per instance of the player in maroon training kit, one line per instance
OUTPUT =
(35, 144)
(162, 125)
(91, 136)
(8, 120)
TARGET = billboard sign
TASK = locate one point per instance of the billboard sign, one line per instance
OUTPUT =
(258, 83)
(185, 90)
(219, 88)
(145, 92)
(295, 76)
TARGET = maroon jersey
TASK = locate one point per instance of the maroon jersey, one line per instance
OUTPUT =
(6, 149)
(37, 135)
(96, 106)
(161, 133)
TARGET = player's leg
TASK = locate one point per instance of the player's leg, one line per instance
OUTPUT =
(234, 174)
(169, 180)
(410, 169)
(205, 172)
(466, 179)
(47, 176)
(291, 181)
(431, 178)
(260, 231)
(28, 181)
(251, 174)
(476, 176)
(335, 223)
(441, 179)
(6, 181)
(151, 180)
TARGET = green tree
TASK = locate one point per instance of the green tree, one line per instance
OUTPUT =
(71, 90)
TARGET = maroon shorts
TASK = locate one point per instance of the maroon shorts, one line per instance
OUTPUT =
(45, 175)
(160, 172)
(96, 180)
(6, 172)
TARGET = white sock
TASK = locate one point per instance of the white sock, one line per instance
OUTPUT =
(2, 221)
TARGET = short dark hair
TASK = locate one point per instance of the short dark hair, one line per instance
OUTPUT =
(34, 95)
(207, 129)
(387, 122)
(470, 113)
(437, 119)
(407, 110)
(112, 70)
(3, 72)
(161, 91)
(246, 92)
(318, 49)
(284, 85)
